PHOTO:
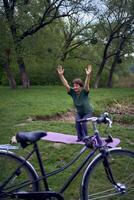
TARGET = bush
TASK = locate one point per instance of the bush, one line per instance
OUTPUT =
(74, 69)
(104, 78)
(125, 81)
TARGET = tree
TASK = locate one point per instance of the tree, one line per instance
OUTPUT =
(124, 38)
(114, 20)
(5, 52)
(26, 17)
(77, 30)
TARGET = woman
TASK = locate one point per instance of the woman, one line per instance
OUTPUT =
(79, 93)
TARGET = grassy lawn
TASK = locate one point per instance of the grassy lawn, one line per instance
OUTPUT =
(19, 106)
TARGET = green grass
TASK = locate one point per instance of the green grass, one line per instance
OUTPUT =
(18, 105)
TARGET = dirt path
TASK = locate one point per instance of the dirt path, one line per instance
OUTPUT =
(68, 116)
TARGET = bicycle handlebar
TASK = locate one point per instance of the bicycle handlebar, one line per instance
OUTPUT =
(104, 118)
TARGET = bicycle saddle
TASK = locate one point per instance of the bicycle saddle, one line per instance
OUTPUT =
(26, 138)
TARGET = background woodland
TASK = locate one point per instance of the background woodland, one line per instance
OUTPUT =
(38, 35)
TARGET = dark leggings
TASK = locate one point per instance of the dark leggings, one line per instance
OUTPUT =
(81, 127)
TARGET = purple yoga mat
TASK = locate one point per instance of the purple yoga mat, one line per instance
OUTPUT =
(71, 139)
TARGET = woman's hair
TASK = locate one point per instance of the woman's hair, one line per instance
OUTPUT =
(78, 81)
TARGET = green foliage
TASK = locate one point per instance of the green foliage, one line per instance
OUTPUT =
(41, 55)
(6, 43)
(125, 81)
(74, 68)
(42, 51)
(104, 77)
(1, 74)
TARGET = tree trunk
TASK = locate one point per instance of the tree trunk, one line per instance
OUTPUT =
(6, 67)
(109, 83)
(9, 10)
(24, 76)
(116, 60)
(98, 76)
(63, 57)
(9, 75)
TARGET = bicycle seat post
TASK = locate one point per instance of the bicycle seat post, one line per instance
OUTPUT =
(41, 166)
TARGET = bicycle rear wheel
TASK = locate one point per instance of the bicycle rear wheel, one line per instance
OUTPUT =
(21, 179)
(96, 184)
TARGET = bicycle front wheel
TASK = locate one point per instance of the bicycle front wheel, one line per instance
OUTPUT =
(15, 175)
(96, 184)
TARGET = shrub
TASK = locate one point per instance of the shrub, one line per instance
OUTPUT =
(125, 81)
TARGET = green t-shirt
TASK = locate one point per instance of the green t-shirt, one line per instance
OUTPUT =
(81, 101)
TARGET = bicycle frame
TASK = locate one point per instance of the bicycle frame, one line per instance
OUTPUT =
(45, 176)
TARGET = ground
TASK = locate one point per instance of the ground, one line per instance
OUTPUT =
(116, 109)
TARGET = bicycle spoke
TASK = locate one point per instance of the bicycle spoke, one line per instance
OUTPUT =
(105, 196)
(13, 180)
(97, 184)
(98, 193)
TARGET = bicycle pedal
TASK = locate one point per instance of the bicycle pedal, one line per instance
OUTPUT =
(109, 139)
(90, 142)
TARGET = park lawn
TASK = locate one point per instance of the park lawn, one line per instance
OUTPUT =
(18, 107)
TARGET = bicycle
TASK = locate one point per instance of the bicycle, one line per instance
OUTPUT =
(109, 175)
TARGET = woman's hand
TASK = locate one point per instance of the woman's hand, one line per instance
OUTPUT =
(88, 73)
(88, 70)
(60, 70)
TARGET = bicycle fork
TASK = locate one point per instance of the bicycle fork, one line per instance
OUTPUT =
(121, 188)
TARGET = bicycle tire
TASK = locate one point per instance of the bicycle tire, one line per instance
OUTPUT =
(95, 184)
(9, 161)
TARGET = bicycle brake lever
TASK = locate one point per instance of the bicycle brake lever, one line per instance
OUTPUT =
(109, 121)
(109, 139)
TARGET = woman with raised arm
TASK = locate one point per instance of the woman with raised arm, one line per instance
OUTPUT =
(79, 93)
